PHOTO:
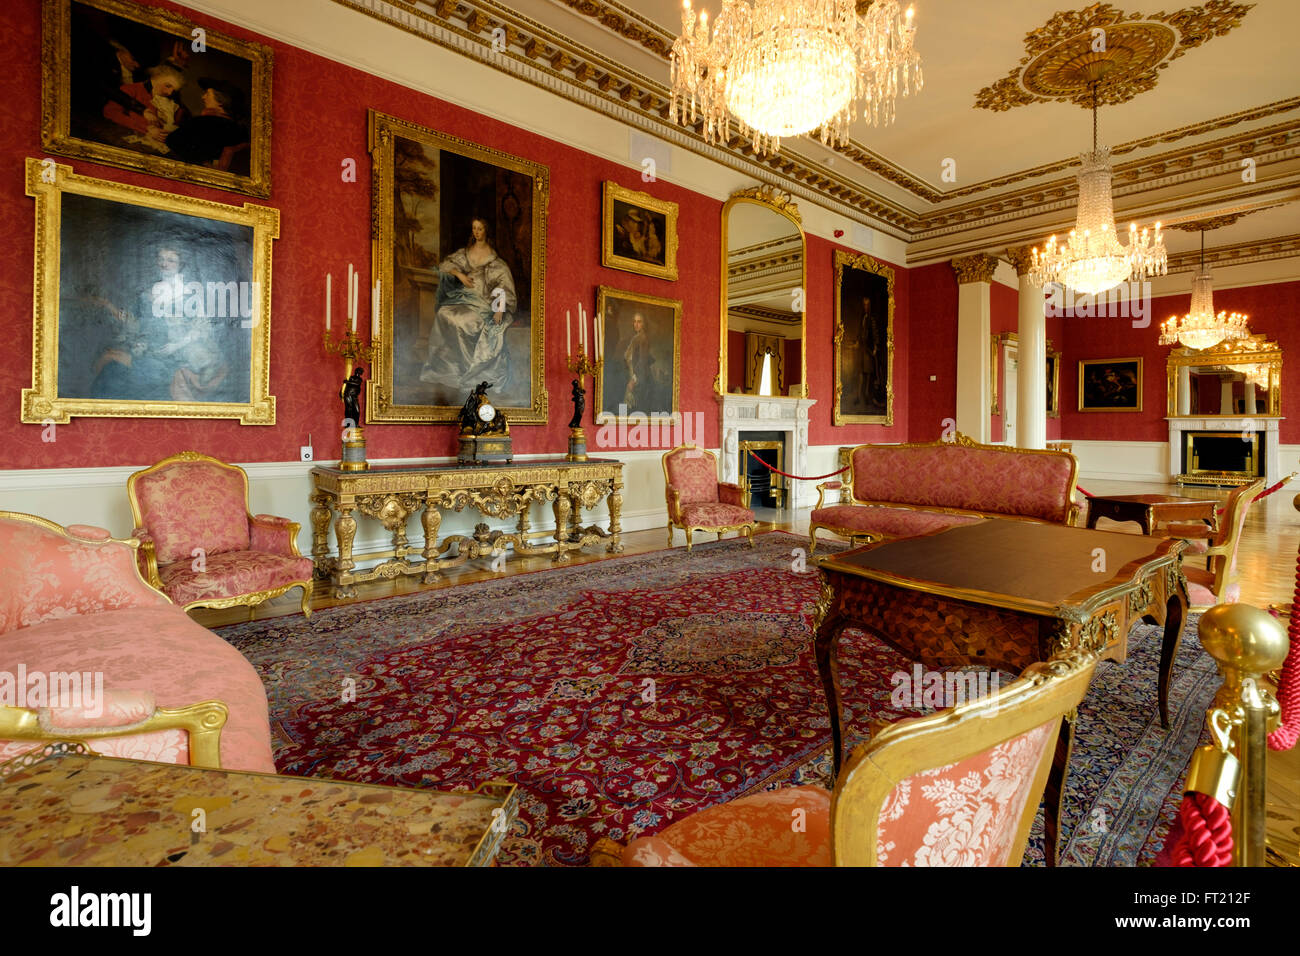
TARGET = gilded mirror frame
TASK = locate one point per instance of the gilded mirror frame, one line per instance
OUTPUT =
(996, 341)
(768, 197)
(1256, 350)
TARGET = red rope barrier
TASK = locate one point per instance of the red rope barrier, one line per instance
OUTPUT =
(1288, 685)
(786, 474)
(1202, 834)
(1083, 491)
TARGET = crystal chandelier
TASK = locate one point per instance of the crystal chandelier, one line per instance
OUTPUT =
(788, 67)
(1092, 259)
(1200, 328)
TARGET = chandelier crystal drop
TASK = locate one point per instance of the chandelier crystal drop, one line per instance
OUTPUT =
(1092, 259)
(1201, 327)
(788, 67)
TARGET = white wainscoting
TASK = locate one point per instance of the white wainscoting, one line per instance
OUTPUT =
(1145, 460)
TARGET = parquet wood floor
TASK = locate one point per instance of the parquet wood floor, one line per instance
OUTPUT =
(1267, 560)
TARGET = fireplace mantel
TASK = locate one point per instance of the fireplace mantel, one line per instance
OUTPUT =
(1272, 453)
(768, 413)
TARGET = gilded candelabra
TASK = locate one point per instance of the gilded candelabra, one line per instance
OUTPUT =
(354, 436)
(580, 365)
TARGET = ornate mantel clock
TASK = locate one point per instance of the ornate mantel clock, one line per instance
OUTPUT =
(484, 432)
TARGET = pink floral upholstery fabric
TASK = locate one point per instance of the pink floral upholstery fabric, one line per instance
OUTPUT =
(964, 814)
(694, 475)
(974, 479)
(192, 505)
(893, 522)
(117, 708)
(48, 577)
(271, 534)
(159, 651)
(231, 574)
(714, 515)
(787, 827)
(730, 494)
(163, 746)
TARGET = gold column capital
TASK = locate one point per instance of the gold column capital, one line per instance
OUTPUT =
(976, 268)
(1021, 257)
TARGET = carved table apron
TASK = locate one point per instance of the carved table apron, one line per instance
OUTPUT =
(393, 494)
(1006, 594)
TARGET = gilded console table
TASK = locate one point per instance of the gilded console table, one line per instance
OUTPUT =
(392, 494)
(1006, 594)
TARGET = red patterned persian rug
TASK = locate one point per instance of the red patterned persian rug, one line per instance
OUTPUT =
(619, 695)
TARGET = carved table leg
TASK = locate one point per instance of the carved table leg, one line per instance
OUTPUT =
(431, 519)
(561, 508)
(1175, 614)
(1054, 795)
(320, 530)
(524, 525)
(830, 623)
(615, 512)
(345, 529)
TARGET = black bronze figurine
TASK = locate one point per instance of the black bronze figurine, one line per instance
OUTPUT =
(351, 394)
(579, 404)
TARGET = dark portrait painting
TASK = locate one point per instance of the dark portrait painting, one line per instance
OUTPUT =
(639, 232)
(1110, 385)
(144, 88)
(153, 305)
(148, 304)
(864, 340)
(640, 375)
(462, 246)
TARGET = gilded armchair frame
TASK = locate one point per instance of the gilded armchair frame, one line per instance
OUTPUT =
(674, 496)
(1221, 558)
(150, 558)
(202, 722)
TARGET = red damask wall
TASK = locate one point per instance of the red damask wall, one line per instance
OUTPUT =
(1271, 311)
(933, 327)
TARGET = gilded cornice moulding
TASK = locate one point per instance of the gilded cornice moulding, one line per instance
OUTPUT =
(1062, 61)
(977, 268)
(1283, 247)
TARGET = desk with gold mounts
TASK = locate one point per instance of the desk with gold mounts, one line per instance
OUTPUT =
(496, 490)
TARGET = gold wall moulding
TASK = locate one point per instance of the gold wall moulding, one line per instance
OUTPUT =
(1120, 53)
(121, 328)
(1213, 222)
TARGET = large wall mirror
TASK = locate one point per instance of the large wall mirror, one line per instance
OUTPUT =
(763, 288)
(1242, 378)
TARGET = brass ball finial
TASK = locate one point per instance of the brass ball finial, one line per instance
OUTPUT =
(1243, 638)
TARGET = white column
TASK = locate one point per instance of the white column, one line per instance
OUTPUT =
(1249, 386)
(974, 273)
(1031, 390)
(1225, 397)
(1184, 390)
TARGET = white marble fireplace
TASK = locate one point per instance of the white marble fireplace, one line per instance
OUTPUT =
(1270, 453)
(768, 413)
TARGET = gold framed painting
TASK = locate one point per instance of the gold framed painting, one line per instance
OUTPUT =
(639, 233)
(864, 340)
(1053, 382)
(460, 253)
(640, 378)
(145, 88)
(1110, 385)
(146, 304)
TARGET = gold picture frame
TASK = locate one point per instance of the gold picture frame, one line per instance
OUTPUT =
(1053, 382)
(414, 165)
(870, 280)
(1110, 385)
(998, 339)
(646, 253)
(632, 354)
(71, 126)
(175, 337)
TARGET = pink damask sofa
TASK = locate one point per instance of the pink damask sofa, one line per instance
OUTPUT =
(905, 490)
(149, 684)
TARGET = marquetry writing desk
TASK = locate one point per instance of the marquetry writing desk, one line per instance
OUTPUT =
(1003, 593)
(393, 494)
(75, 809)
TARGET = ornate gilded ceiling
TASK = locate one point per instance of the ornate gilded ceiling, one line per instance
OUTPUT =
(1179, 154)
(1101, 49)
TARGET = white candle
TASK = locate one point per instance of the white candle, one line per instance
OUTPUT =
(327, 302)
(356, 298)
(582, 328)
(568, 333)
(600, 336)
(374, 310)
(347, 299)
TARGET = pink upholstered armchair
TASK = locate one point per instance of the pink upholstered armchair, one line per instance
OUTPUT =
(960, 787)
(199, 544)
(697, 501)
